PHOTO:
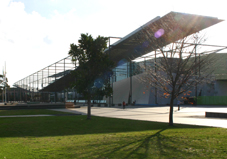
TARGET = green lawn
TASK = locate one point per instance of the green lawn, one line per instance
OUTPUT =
(29, 112)
(75, 137)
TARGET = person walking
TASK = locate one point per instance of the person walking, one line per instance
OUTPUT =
(123, 104)
(178, 104)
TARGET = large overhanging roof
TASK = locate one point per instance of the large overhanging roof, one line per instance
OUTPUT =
(159, 32)
(172, 27)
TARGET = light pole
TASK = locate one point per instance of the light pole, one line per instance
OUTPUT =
(5, 81)
(111, 97)
(5, 92)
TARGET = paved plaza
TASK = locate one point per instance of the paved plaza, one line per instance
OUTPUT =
(186, 115)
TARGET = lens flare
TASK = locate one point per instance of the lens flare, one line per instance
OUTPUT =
(159, 33)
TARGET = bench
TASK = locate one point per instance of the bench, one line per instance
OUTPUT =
(69, 104)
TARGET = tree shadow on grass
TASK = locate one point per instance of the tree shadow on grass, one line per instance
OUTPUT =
(155, 144)
(151, 145)
(162, 146)
(135, 146)
(145, 144)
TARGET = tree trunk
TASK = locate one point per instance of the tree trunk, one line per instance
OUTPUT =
(89, 108)
(171, 112)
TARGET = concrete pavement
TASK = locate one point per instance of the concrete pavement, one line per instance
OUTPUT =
(187, 115)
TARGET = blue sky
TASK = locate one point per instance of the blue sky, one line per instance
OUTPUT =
(46, 8)
(37, 33)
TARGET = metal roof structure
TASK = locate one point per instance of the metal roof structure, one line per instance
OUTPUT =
(46, 76)
(174, 26)
(158, 32)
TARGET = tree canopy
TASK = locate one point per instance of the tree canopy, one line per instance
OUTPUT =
(94, 67)
(178, 69)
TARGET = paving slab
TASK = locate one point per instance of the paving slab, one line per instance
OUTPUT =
(14, 116)
(37, 115)
(186, 115)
